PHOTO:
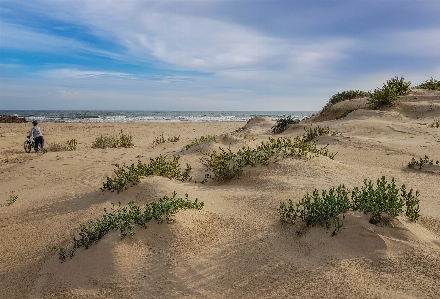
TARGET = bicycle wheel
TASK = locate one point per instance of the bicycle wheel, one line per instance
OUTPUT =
(27, 146)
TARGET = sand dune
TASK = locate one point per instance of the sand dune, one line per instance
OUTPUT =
(236, 246)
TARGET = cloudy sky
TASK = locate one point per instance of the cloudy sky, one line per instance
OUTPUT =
(209, 54)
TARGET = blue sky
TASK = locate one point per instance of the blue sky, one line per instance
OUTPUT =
(209, 54)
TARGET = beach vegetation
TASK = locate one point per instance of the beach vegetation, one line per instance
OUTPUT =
(431, 84)
(173, 139)
(159, 166)
(225, 164)
(12, 198)
(113, 142)
(159, 140)
(282, 123)
(421, 162)
(326, 208)
(202, 139)
(389, 93)
(313, 132)
(383, 202)
(344, 96)
(435, 123)
(70, 145)
(125, 218)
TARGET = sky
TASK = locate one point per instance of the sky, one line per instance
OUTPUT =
(209, 55)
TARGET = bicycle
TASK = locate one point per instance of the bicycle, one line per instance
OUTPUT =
(29, 144)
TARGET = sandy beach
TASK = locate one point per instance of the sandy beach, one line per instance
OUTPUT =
(236, 246)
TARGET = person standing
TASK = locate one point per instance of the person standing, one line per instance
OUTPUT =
(38, 136)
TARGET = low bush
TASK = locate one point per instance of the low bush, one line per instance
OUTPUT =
(113, 142)
(132, 174)
(58, 147)
(343, 96)
(226, 164)
(435, 123)
(12, 199)
(431, 84)
(382, 201)
(202, 139)
(389, 93)
(125, 218)
(159, 140)
(282, 123)
(313, 132)
(421, 162)
(322, 208)
(347, 95)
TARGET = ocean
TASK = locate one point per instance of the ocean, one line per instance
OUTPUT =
(99, 116)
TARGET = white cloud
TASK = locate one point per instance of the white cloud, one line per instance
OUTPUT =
(187, 42)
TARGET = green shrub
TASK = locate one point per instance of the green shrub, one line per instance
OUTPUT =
(282, 123)
(125, 218)
(12, 199)
(401, 86)
(379, 200)
(421, 162)
(323, 209)
(159, 140)
(431, 84)
(313, 132)
(202, 139)
(160, 166)
(125, 140)
(347, 95)
(383, 202)
(226, 164)
(71, 145)
(173, 139)
(389, 93)
(113, 142)
(435, 123)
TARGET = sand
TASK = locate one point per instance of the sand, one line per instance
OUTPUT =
(236, 246)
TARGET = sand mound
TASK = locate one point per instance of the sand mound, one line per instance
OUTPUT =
(259, 125)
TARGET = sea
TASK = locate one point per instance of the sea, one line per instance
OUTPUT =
(108, 116)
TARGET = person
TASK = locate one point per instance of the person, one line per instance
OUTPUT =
(38, 137)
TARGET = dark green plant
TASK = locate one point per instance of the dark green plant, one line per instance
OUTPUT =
(389, 93)
(113, 142)
(202, 139)
(324, 209)
(421, 162)
(282, 123)
(435, 124)
(313, 132)
(71, 145)
(12, 199)
(226, 164)
(173, 139)
(125, 140)
(125, 218)
(347, 95)
(431, 84)
(383, 202)
(159, 140)
(160, 166)
(401, 86)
